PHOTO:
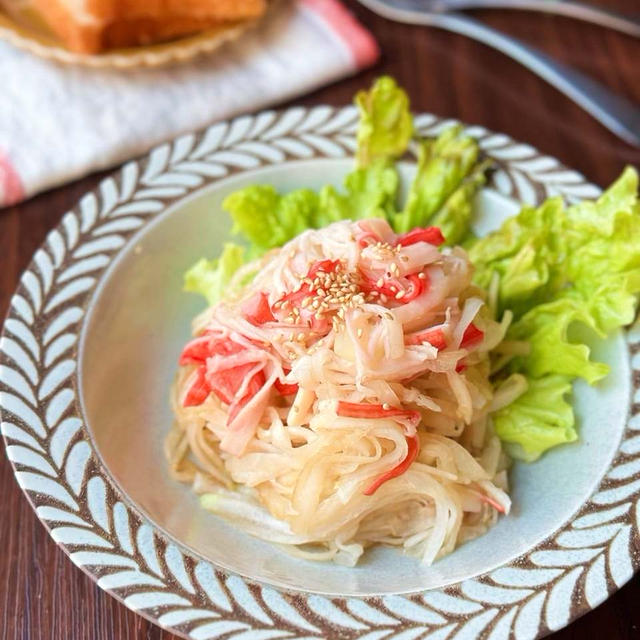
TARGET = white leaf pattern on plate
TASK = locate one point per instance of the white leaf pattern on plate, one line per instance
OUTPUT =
(572, 570)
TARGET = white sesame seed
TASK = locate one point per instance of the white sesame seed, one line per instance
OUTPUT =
(380, 282)
(422, 275)
(386, 406)
(393, 268)
(400, 294)
(383, 298)
(359, 333)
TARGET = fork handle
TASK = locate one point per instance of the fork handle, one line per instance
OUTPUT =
(579, 10)
(615, 112)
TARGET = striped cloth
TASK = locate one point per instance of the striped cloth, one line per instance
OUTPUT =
(58, 123)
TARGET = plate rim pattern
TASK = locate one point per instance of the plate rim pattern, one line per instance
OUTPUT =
(569, 573)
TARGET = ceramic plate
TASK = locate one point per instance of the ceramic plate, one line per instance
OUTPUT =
(87, 355)
(27, 31)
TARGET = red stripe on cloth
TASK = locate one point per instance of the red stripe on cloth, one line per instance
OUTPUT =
(11, 190)
(358, 40)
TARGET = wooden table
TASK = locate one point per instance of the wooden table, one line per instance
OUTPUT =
(42, 595)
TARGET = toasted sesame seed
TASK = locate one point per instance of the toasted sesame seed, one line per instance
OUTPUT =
(301, 336)
(404, 258)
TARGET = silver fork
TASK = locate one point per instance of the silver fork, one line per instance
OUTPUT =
(579, 10)
(615, 112)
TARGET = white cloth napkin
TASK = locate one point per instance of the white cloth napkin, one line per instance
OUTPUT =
(59, 122)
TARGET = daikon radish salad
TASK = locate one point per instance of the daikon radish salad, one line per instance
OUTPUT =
(366, 369)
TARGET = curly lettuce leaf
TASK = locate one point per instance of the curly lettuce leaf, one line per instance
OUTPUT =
(440, 185)
(524, 253)
(546, 329)
(369, 193)
(589, 253)
(267, 218)
(538, 420)
(559, 267)
(386, 124)
(454, 217)
(210, 278)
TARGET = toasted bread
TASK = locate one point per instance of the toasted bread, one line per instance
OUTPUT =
(92, 26)
(111, 10)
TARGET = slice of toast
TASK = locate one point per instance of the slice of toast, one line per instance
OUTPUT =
(92, 26)
(111, 10)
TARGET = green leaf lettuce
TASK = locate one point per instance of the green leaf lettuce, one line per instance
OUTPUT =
(561, 267)
(210, 278)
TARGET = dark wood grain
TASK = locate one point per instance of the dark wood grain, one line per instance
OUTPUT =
(42, 595)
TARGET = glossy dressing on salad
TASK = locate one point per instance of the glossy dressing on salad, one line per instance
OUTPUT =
(346, 386)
